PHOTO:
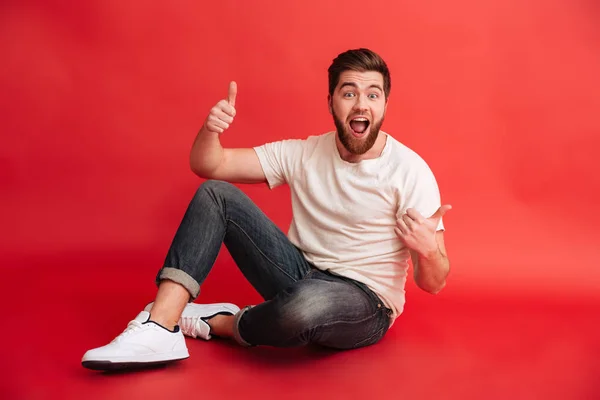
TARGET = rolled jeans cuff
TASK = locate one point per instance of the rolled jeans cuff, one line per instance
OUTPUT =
(181, 277)
(236, 327)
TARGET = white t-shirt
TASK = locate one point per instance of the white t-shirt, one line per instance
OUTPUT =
(344, 213)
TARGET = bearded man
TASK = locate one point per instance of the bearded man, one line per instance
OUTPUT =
(363, 205)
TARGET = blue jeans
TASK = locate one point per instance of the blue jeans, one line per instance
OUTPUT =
(303, 305)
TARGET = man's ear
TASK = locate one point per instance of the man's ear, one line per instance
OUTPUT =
(329, 104)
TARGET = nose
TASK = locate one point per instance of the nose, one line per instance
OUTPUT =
(360, 104)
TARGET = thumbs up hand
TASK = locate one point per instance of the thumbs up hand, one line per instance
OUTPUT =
(221, 115)
(418, 232)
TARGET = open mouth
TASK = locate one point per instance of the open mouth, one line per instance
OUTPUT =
(359, 125)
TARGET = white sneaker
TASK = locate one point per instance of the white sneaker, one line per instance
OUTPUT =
(142, 343)
(193, 319)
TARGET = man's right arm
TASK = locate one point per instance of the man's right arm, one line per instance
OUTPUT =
(209, 160)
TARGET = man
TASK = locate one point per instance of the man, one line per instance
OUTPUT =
(362, 202)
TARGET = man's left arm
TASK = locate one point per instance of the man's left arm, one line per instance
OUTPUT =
(432, 268)
(427, 248)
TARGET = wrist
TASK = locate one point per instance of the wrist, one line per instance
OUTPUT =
(205, 132)
(431, 253)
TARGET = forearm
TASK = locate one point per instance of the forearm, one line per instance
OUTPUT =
(206, 154)
(431, 270)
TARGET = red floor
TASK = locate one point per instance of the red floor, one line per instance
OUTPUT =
(443, 347)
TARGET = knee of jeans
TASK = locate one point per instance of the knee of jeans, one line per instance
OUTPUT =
(214, 185)
(215, 189)
(308, 306)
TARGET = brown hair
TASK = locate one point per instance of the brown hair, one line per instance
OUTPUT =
(360, 60)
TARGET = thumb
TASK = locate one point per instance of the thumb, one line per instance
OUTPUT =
(441, 211)
(232, 93)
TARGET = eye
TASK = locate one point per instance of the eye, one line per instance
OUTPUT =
(348, 94)
(373, 96)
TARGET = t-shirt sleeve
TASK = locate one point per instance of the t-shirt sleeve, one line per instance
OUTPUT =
(421, 192)
(280, 160)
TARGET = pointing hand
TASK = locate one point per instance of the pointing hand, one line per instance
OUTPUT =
(418, 232)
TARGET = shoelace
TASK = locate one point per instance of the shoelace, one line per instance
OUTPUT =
(188, 325)
(132, 326)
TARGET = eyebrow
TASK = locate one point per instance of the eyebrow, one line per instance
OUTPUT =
(352, 84)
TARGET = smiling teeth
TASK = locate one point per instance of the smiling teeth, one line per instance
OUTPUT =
(360, 119)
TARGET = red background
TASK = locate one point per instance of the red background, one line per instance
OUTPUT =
(101, 101)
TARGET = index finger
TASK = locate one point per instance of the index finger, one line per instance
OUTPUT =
(232, 93)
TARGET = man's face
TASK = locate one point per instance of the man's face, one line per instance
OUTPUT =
(358, 107)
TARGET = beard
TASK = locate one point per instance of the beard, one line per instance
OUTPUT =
(355, 145)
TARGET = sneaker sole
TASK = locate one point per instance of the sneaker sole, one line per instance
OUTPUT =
(107, 365)
(117, 366)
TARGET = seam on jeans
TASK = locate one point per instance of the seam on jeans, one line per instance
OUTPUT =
(370, 338)
(261, 252)
(341, 322)
(222, 211)
(344, 321)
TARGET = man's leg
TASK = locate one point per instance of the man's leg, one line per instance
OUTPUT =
(320, 309)
(220, 213)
